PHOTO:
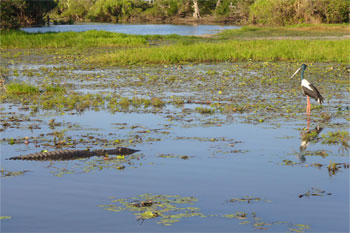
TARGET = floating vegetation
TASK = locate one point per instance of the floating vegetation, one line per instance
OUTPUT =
(5, 217)
(5, 173)
(299, 228)
(96, 164)
(184, 157)
(247, 199)
(338, 137)
(258, 224)
(238, 215)
(168, 209)
(157, 102)
(21, 88)
(333, 168)
(288, 162)
(203, 110)
(314, 192)
(321, 153)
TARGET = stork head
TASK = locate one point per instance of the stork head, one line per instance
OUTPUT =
(302, 68)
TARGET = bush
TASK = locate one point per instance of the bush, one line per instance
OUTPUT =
(14, 13)
(287, 12)
(272, 12)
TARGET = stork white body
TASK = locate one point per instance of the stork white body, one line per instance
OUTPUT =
(308, 89)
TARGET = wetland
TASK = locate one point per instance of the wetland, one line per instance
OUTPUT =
(224, 142)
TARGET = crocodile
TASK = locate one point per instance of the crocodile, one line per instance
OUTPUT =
(73, 154)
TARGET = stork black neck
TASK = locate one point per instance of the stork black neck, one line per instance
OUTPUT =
(302, 74)
(303, 68)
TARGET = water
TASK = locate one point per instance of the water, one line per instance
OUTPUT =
(40, 201)
(139, 29)
(229, 155)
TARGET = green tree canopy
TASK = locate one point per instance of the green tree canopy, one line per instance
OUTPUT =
(14, 13)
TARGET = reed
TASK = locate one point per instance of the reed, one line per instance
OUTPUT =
(234, 50)
(300, 30)
(93, 38)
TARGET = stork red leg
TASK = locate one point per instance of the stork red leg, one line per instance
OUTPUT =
(308, 108)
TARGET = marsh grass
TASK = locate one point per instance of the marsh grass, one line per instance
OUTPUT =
(234, 50)
(302, 30)
(54, 88)
(80, 40)
(21, 88)
(338, 137)
(107, 48)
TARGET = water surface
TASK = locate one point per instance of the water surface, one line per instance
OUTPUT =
(139, 29)
(229, 154)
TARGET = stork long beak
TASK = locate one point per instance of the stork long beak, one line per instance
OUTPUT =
(296, 72)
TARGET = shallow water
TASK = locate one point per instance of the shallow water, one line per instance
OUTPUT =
(41, 201)
(138, 29)
(229, 155)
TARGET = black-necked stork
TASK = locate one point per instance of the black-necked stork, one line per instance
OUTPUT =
(308, 89)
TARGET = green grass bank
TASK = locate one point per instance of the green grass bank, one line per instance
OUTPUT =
(122, 49)
(233, 50)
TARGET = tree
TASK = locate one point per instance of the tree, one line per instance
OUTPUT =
(36, 10)
(196, 14)
(217, 4)
(15, 13)
(11, 13)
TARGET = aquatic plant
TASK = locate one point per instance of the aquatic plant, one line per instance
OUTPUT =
(54, 88)
(333, 168)
(338, 137)
(204, 110)
(168, 209)
(314, 192)
(21, 88)
(157, 102)
(5, 173)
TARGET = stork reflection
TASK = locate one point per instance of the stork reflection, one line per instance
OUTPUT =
(307, 136)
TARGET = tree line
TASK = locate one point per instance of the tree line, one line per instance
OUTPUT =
(16, 13)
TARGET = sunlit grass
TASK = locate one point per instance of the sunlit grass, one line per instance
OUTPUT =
(300, 30)
(19, 39)
(21, 88)
(172, 49)
(234, 50)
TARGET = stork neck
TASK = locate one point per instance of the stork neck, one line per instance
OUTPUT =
(302, 74)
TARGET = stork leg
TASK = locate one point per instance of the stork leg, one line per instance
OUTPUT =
(308, 107)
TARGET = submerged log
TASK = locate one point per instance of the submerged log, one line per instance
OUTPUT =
(74, 154)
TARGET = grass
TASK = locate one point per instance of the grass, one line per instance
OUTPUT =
(21, 88)
(233, 50)
(24, 88)
(301, 30)
(174, 49)
(80, 40)
(338, 137)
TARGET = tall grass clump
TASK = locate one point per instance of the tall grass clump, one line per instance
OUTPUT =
(301, 30)
(21, 88)
(256, 50)
(93, 38)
